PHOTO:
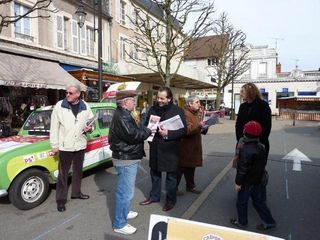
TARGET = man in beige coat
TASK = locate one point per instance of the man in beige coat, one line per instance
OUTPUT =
(67, 137)
(190, 155)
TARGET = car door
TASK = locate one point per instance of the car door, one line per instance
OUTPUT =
(98, 149)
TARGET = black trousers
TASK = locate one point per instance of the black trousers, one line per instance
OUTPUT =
(66, 158)
(171, 186)
(188, 175)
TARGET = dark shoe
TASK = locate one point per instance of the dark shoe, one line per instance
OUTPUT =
(147, 202)
(235, 222)
(193, 190)
(263, 227)
(167, 207)
(179, 193)
(61, 207)
(81, 196)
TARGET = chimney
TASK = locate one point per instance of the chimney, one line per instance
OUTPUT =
(278, 68)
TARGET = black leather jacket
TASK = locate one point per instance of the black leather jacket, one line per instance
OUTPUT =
(126, 137)
(252, 161)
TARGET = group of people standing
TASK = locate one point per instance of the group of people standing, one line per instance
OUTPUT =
(175, 152)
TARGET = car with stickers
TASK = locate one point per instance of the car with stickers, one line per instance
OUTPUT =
(26, 167)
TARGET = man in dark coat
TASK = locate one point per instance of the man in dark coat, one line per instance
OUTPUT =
(164, 149)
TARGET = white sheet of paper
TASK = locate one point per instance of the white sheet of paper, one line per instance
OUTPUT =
(173, 123)
(153, 123)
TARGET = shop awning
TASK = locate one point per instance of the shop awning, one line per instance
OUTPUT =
(20, 71)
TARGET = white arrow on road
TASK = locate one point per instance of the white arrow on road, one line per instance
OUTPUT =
(297, 157)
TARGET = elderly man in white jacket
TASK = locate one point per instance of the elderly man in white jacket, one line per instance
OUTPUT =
(67, 137)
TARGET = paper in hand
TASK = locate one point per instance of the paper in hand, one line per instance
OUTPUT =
(173, 123)
(91, 121)
(153, 124)
(213, 119)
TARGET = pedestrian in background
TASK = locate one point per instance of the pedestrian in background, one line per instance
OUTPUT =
(254, 108)
(67, 137)
(126, 139)
(190, 155)
(252, 178)
(144, 112)
(164, 149)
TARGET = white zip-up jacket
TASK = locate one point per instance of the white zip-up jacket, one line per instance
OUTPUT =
(66, 130)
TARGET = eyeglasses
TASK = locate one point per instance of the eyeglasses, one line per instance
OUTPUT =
(69, 93)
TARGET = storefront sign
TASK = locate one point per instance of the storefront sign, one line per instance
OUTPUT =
(24, 84)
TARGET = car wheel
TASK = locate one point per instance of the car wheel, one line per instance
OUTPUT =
(29, 189)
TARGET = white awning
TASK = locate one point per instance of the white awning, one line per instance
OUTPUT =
(20, 71)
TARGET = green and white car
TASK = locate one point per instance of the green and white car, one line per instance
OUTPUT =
(27, 169)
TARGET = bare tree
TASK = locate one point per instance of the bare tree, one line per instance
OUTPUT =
(161, 43)
(40, 7)
(230, 58)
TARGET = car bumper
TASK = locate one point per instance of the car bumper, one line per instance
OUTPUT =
(3, 193)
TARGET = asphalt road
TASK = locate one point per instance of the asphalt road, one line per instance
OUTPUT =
(293, 196)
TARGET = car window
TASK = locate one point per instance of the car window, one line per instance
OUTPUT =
(105, 117)
(38, 121)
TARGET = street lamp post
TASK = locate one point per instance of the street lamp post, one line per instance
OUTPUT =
(81, 14)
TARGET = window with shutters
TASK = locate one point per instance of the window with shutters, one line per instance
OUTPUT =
(122, 13)
(22, 28)
(90, 41)
(83, 40)
(60, 31)
(122, 48)
(75, 37)
(66, 33)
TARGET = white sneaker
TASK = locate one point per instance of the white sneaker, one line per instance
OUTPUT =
(132, 215)
(127, 230)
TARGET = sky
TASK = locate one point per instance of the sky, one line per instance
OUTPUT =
(294, 23)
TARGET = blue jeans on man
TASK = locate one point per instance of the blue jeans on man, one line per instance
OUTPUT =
(124, 193)
(258, 195)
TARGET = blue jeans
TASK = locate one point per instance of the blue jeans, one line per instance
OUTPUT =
(259, 196)
(171, 186)
(124, 193)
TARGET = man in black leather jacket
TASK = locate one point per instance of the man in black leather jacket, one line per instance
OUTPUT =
(127, 144)
(250, 176)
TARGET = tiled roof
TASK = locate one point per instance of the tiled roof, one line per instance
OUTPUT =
(207, 47)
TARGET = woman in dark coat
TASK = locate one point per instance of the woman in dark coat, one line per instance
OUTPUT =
(254, 108)
(190, 155)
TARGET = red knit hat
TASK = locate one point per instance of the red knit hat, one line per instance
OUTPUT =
(252, 128)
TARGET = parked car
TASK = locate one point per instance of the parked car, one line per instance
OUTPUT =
(26, 167)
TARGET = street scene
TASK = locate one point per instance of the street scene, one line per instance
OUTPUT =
(152, 119)
(292, 195)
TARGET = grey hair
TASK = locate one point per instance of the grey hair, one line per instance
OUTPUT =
(75, 85)
(191, 98)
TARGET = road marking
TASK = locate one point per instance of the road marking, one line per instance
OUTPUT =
(287, 189)
(205, 193)
(297, 157)
(50, 230)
